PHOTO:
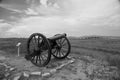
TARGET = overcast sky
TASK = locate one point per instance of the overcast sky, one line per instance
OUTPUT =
(20, 18)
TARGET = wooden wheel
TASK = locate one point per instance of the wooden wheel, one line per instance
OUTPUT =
(39, 49)
(62, 49)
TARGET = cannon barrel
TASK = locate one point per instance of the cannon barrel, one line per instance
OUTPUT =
(57, 36)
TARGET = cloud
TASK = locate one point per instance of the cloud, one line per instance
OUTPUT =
(76, 17)
(4, 27)
(10, 7)
(1, 20)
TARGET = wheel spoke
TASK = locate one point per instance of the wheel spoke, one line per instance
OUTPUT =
(63, 41)
(60, 40)
(59, 53)
(32, 58)
(42, 59)
(57, 41)
(64, 49)
(38, 40)
(39, 59)
(36, 59)
(35, 39)
(56, 52)
(64, 44)
(44, 56)
(62, 53)
(32, 41)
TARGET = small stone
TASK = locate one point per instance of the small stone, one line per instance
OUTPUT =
(22, 77)
(35, 73)
(7, 74)
(62, 65)
(25, 74)
(45, 74)
(53, 71)
(16, 78)
(59, 67)
(69, 57)
(11, 69)
(71, 61)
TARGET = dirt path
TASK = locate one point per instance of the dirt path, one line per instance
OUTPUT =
(81, 68)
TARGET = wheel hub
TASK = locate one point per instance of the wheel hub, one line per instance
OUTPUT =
(37, 52)
(59, 47)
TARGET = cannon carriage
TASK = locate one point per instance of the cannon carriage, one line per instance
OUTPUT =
(40, 48)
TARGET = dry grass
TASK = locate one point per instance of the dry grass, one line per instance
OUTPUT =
(108, 49)
(100, 44)
(9, 45)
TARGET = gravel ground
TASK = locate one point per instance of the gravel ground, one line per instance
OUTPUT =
(74, 68)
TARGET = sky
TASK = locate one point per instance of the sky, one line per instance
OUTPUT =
(21, 18)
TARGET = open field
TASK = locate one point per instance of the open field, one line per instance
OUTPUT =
(110, 47)
(9, 45)
(100, 49)
(99, 44)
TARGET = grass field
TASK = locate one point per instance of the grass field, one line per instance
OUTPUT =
(9, 45)
(109, 48)
(100, 44)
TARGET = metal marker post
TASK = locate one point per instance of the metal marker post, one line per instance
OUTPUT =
(18, 46)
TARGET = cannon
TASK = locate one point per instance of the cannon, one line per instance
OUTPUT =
(40, 48)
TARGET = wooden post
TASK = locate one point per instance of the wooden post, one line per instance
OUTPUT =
(18, 46)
